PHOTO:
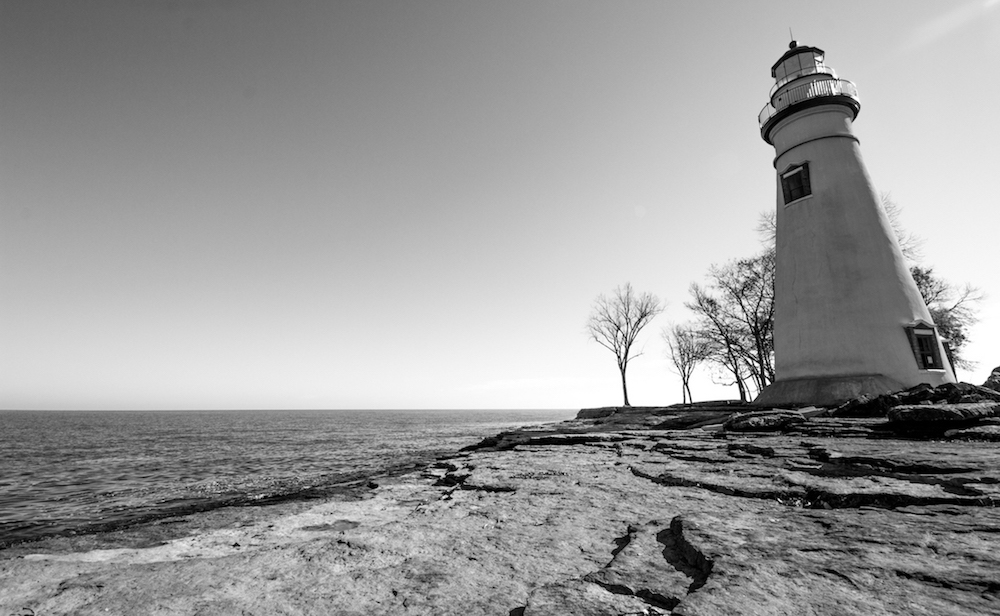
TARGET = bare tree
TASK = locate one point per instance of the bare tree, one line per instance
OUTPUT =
(724, 338)
(767, 227)
(953, 310)
(617, 320)
(909, 243)
(687, 346)
(736, 312)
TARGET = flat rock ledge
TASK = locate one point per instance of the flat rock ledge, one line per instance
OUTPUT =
(698, 510)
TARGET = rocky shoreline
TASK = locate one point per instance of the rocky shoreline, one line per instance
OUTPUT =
(880, 507)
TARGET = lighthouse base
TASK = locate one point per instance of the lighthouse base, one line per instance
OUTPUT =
(825, 390)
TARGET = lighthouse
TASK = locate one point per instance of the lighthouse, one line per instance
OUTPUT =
(848, 317)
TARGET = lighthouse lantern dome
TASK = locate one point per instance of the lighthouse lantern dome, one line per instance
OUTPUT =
(799, 61)
(803, 80)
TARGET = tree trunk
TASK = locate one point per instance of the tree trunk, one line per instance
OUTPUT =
(690, 398)
(624, 387)
(739, 379)
(743, 389)
(735, 369)
(761, 358)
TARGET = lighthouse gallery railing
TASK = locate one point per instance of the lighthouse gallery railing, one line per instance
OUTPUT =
(813, 89)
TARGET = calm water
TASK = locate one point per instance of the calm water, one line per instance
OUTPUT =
(66, 472)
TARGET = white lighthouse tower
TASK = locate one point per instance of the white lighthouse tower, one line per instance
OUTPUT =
(849, 319)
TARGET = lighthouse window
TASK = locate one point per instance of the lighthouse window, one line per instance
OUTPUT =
(795, 183)
(923, 341)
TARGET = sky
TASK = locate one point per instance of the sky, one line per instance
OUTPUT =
(372, 204)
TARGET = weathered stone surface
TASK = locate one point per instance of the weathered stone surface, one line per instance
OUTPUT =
(866, 406)
(993, 381)
(943, 412)
(694, 418)
(867, 561)
(581, 598)
(976, 433)
(974, 393)
(648, 563)
(949, 393)
(511, 440)
(832, 517)
(763, 421)
(596, 413)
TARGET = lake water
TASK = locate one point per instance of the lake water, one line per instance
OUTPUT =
(83, 471)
